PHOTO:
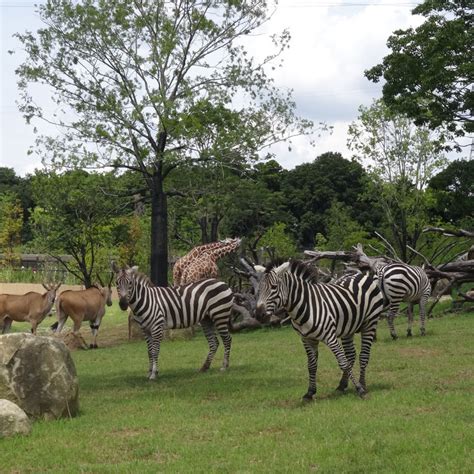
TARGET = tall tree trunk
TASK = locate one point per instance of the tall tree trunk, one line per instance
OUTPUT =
(203, 227)
(159, 233)
(214, 228)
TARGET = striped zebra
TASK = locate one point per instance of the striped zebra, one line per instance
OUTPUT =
(324, 312)
(208, 302)
(401, 282)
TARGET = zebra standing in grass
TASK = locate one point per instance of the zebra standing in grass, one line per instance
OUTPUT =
(401, 282)
(324, 312)
(207, 301)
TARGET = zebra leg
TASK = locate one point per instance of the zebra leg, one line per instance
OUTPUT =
(423, 301)
(344, 365)
(410, 319)
(155, 339)
(311, 348)
(149, 345)
(367, 338)
(227, 341)
(390, 317)
(350, 352)
(208, 328)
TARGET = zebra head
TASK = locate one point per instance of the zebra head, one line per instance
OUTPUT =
(271, 293)
(124, 278)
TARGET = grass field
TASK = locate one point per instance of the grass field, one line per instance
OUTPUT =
(418, 416)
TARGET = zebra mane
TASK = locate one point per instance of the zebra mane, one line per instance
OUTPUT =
(299, 269)
(141, 277)
(295, 267)
(274, 264)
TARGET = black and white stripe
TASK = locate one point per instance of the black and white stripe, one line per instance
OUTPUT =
(208, 302)
(325, 312)
(401, 282)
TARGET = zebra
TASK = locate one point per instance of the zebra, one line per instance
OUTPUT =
(324, 312)
(402, 282)
(207, 301)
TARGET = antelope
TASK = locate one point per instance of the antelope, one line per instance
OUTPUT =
(83, 305)
(31, 307)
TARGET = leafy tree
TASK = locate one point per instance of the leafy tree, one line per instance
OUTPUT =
(21, 188)
(310, 188)
(74, 216)
(453, 190)
(137, 78)
(429, 73)
(401, 159)
(11, 223)
(278, 242)
(343, 231)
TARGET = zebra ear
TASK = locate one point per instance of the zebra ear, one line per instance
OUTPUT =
(134, 269)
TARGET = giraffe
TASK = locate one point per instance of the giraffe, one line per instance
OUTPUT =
(185, 260)
(201, 262)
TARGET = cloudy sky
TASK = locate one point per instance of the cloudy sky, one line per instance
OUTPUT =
(333, 42)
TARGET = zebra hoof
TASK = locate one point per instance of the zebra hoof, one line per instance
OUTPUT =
(394, 337)
(308, 397)
(341, 388)
(204, 368)
(409, 334)
(422, 333)
(362, 392)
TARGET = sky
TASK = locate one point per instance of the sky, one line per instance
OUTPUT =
(333, 42)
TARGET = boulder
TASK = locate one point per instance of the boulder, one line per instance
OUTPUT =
(38, 374)
(13, 420)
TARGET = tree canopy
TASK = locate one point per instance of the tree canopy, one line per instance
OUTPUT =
(401, 159)
(147, 85)
(429, 72)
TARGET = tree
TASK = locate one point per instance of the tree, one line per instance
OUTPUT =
(453, 190)
(74, 216)
(429, 73)
(278, 242)
(21, 188)
(134, 78)
(401, 158)
(310, 188)
(11, 223)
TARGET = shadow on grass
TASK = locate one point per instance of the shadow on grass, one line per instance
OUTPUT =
(166, 378)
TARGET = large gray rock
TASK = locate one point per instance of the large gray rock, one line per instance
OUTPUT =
(13, 420)
(38, 374)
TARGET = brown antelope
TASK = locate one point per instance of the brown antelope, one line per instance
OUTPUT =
(31, 307)
(83, 305)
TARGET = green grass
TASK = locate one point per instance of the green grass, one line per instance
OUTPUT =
(417, 418)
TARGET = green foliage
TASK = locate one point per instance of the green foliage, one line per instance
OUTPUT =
(401, 158)
(428, 73)
(453, 192)
(310, 188)
(74, 216)
(250, 418)
(278, 242)
(343, 232)
(129, 240)
(11, 223)
(12, 184)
